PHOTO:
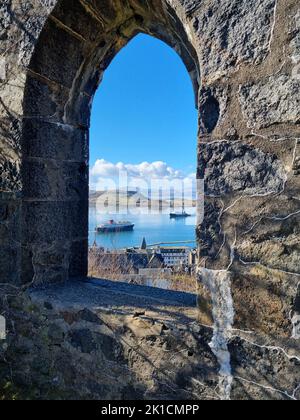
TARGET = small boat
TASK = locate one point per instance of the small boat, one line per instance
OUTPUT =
(112, 227)
(179, 215)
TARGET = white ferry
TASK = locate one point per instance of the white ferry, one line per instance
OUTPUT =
(112, 226)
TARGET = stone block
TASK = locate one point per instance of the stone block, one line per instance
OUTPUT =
(262, 373)
(76, 17)
(49, 59)
(48, 222)
(54, 141)
(55, 180)
(79, 259)
(108, 10)
(9, 265)
(238, 168)
(272, 101)
(49, 275)
(264, 300)
(40, 101)
(232, 33)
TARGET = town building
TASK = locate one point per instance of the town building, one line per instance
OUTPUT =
(174, 256)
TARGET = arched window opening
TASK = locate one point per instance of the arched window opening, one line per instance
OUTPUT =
(142, 191)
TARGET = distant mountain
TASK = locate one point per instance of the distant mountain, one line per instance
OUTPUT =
(135, 199)
(119, 197)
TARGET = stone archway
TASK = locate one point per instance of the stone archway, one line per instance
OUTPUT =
(248, 155)
(74, 49)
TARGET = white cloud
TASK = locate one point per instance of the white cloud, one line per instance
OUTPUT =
(106, 175)
(158, 176)
(144, 170)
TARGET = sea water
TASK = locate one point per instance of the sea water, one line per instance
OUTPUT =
(155, 228)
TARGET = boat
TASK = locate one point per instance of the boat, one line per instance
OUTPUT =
(111, 227)
(179, 215)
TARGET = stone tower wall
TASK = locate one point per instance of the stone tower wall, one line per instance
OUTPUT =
(244, 61)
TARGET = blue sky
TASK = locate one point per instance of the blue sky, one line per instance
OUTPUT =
(144, 111)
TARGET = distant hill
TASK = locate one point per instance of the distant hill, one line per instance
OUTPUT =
(135, 199)
(122, 198)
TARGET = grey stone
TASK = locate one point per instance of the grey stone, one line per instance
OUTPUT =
(109, 346)
(232, 168)
(83, 340)
(272, 101)
(262, 367)
(43, 59)
(245, 57)
(79, 258)
(89, 316)
(55, 180)
(55, 141)
(233, 32)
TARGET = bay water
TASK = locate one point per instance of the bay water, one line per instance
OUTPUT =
(155, 228)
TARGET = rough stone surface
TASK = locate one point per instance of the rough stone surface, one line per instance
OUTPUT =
(233, 33)
(231, 168)
(62, 350)
(243, 58)
(273, 101)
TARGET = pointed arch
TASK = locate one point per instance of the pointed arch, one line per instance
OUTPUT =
(75, 47)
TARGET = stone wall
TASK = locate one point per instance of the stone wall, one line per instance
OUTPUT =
(243, 58)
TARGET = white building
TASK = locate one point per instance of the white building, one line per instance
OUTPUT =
(174, 256)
